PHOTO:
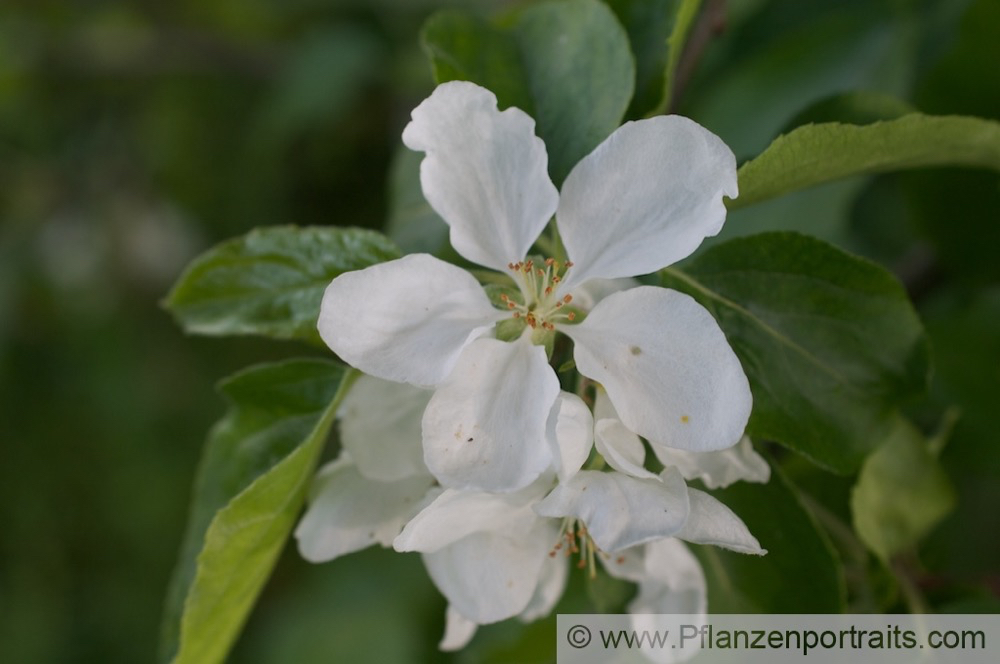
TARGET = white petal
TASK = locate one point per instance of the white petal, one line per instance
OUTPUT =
(603, 408)
(458, 630)
(485, 172)
(406, 320)
(621, 448)
(586, 295)
(570, 433)
(667, 367)
(484, 428)
(456, 514)
(645, 198)
(620, 511)
(348, 512)
(711, 522)
(718, 469)
(380, 428)
(551, 584)
(673, 581)
(489, 576)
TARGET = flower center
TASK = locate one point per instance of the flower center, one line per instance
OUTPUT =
(543, 306)
(575, 540)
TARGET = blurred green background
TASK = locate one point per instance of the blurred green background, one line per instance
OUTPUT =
(134, 135)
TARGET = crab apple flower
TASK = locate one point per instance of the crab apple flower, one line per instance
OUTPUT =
(643, 199)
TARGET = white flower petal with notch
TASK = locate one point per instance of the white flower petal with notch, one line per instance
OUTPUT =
(406, 320)
(456, 514)
(489, 576)
(485, 426)
(485, 173)
(348, 512)
(621, 511)
(667, 368)
(645, 198)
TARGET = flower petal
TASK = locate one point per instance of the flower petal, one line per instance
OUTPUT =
(458, 630)
(485, 172)
(455, 514)
(711, 522)
(718, 469)
(674, 582)
(621, 511)
(667, 368)
(551, 584)
(645, 198)
(406, 320)
(380, 428)
(488, 576)
(348, 513)
(484, 428)
(570, 434)
(621, 448)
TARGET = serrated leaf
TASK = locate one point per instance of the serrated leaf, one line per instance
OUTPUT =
(573, 57)
(814, 154)
(270, 282)
(830, 342)
(257, 463)
(801, 573)
(901, 494)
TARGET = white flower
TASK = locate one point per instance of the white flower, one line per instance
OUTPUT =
(643, 199)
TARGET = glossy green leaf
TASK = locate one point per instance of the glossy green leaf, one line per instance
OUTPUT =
(830, 342)
(814, 154)
(648, 24)
(573, 57)
(581, 74)
(464, 47)
(901, 494)
(270, 282)
(251, 483)
(800, 573)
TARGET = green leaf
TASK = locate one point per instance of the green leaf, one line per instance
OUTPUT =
(814, 154)
(462, 47)
(412, 224)
(800, 573)
(574, 61)
(830, 342)
(270, 282)
(648, 24)
(686, 14)
(581, 74)
(251, 483)
(901, 494)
